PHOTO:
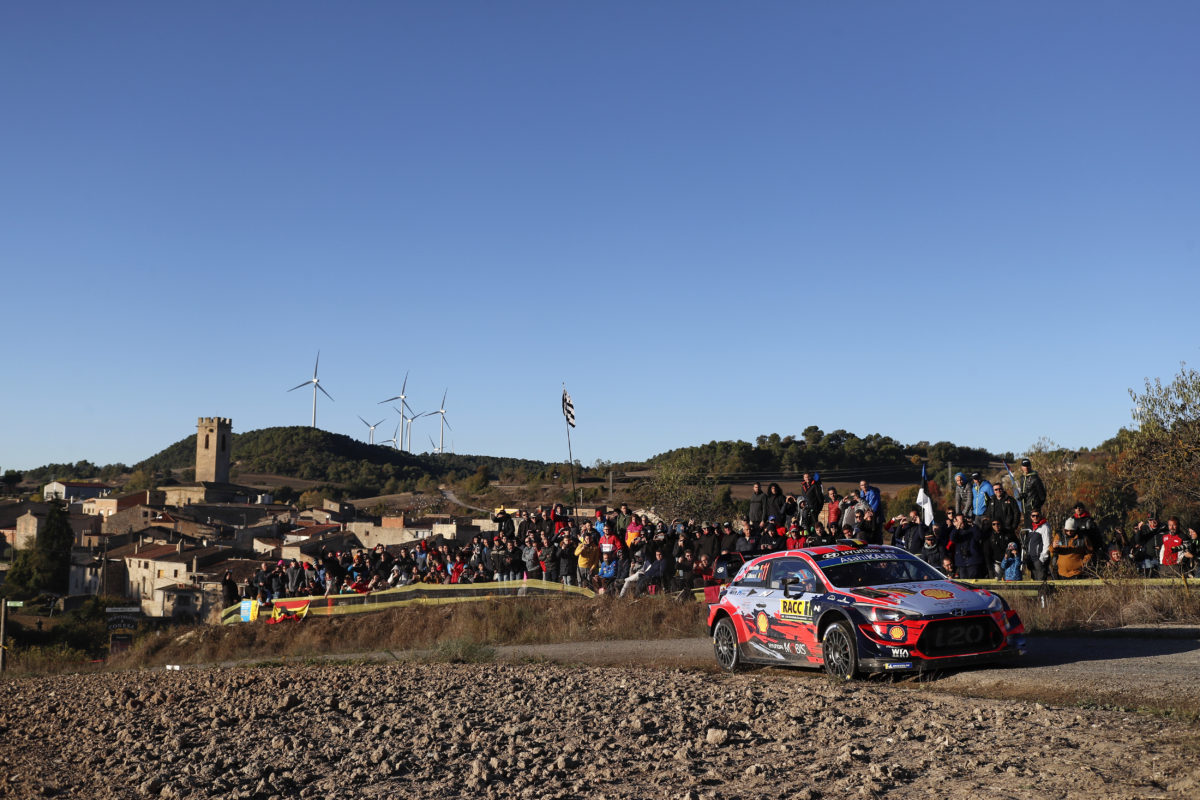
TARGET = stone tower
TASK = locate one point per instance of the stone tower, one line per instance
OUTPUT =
(214, 435)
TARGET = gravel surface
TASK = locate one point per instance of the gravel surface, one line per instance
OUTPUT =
(534, 729)
(1155, 668)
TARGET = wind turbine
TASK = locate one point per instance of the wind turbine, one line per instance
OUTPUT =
(316, 384)
(442, 432)
(392, 441)
(409, 423)
(403, 405)
(371, 428)
(433, 445)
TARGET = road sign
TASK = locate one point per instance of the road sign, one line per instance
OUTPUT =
(16, 603)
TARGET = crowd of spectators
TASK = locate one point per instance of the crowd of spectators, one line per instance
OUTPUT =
(989, 533)
(986, 533)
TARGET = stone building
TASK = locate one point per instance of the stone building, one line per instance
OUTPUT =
(214, 436)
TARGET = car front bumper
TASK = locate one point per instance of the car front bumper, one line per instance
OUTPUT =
(1013, 649)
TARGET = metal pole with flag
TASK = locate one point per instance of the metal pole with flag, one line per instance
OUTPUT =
(1016, 489)
(923, 499)
(568, 408)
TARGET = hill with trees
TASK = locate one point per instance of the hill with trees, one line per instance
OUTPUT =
(838, 451)
(312, 454)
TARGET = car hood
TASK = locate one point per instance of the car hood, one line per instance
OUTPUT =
(928, 597)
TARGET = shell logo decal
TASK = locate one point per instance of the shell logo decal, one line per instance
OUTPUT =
(896, 632)
(762, 622)
(938, 594)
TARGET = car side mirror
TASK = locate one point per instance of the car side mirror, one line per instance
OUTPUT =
(792, 581)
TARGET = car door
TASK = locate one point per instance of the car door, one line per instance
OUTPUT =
(791, 585)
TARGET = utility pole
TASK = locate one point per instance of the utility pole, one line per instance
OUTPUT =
(610, 488)
(3, 625)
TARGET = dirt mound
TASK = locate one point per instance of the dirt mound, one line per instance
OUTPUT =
(544, 731)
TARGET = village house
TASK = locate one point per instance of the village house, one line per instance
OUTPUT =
(74, 491)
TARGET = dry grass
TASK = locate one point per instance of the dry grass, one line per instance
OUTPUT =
(1123, 600)
(51, 660)
(437, 628)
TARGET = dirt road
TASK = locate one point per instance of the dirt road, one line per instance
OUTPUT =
(1143, 668)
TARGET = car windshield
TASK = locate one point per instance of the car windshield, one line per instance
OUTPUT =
(881, 572)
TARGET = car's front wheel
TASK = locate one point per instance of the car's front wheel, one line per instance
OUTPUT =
(841, 651)
(725, 645)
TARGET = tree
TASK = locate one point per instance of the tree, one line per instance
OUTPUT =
(314, 498)
(45, 567)
(1099, 478)
(680, 489)
(1164, 447)
(140, 480)
(11, 479)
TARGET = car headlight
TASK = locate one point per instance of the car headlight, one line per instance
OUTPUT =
(877, 614)
(996, 604)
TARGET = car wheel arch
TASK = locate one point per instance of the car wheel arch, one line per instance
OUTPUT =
(831, 616)
(720, 615)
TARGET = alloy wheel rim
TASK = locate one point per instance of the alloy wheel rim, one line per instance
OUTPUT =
(839, 655)
(724, 646)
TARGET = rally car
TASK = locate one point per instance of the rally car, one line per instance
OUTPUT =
(853, 607)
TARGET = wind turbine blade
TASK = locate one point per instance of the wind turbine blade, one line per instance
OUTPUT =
(322, 388)
(316, 364)
(364, 422)
(294, 388)
(390, 399)
(404, 386)
(404, 404)
(377, 424)
(447, 423)
(444, 398)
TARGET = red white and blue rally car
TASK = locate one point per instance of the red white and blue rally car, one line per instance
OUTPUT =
(853, 607)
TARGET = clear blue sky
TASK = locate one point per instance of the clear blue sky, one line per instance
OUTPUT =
(934, 220)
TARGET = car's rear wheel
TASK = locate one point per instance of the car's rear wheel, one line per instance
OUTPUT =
(841, 651)
(725, 645)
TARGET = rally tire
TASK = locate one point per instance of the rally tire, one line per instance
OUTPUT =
(725, 645)
(840, 651)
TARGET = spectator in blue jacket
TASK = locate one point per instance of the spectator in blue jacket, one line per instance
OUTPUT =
(1011, 565)
(982, 495)
(870, 496)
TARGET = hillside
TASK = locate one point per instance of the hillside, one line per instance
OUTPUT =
(834, 453)
(312, 454)
(301, 457)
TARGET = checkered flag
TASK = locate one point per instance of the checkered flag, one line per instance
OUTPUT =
(568, 408)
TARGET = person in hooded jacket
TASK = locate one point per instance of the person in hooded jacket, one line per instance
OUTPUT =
(1011, 564)
(774, 502)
